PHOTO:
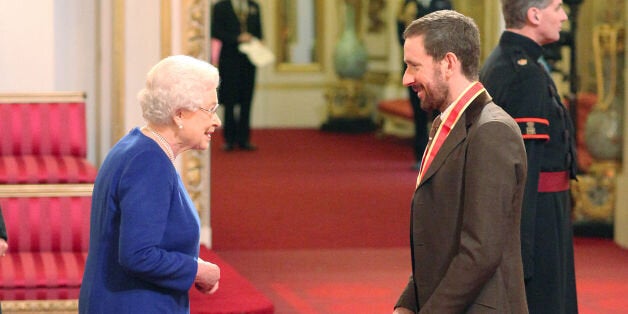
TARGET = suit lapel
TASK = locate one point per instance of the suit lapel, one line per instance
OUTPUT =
(457, 135)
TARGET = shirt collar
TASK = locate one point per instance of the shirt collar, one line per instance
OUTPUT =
(447, 111)
(240, 5)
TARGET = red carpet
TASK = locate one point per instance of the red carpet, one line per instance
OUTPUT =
(318, 222)
(234, 295)
(338, 281)
(305, 188)
(326, 281)
(601, 276)
(331, 281)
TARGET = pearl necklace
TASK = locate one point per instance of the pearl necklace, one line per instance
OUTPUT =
(163, 143)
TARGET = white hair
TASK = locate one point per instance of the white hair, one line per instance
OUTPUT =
(175, 83)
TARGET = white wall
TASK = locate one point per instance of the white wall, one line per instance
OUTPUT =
(27, 45)
(66, 45)
(293, 99)
(142, 51)
(50, 46)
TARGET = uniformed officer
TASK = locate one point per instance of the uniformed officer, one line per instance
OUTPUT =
(517, 81)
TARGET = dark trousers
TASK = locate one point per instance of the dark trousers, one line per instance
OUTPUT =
(236, 126)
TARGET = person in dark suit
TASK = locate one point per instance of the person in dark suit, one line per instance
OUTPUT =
(411, 10)
(235, 22)
(521, 85)
(464, 238)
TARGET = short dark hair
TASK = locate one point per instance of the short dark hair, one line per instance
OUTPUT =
(516, 11)
(449, 31)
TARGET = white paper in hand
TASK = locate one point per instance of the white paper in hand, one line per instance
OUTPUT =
(257, 53)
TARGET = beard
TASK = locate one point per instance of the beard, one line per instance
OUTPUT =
(436, 94)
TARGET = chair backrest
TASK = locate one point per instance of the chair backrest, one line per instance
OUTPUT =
(43, 124)
(47, 224)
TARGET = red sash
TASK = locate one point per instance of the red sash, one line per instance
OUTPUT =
(459, 106)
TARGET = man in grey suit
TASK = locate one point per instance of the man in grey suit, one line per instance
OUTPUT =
(464, 232)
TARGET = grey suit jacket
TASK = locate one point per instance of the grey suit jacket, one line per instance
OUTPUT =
(466, 254)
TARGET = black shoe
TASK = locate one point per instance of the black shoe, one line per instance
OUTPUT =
(227, 147)
(248, 146)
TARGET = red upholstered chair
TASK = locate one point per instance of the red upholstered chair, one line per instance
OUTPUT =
(43, 140)
(45, 194)
(396, 117)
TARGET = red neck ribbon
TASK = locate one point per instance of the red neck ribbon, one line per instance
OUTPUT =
(463, 101)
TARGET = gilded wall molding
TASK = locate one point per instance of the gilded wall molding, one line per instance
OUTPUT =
(166, 28)
(118, 77)
(195, 164)
(40, 97)
(46, 190)
(40, 306)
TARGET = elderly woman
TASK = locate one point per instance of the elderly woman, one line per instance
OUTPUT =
(144, 240)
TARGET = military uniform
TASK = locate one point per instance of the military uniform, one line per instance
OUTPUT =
(517, 81)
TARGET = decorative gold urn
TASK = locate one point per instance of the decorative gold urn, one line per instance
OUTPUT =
(595, 192)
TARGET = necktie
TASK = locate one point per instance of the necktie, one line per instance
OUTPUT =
(435, 124)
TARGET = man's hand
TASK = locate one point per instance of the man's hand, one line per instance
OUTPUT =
(245, 37)
(402, 310)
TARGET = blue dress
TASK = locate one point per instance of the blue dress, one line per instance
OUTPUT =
(144, 234)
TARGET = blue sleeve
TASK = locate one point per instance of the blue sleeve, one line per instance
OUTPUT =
(146, 190)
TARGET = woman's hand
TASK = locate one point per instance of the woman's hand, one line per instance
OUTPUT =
(207, 277)
(4, 246)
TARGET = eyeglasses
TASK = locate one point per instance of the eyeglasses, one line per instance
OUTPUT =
(212, 110)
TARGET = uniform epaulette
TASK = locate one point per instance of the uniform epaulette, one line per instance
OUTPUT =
(520, 59)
